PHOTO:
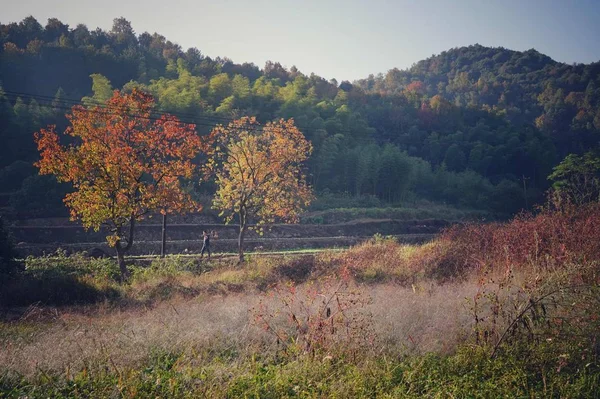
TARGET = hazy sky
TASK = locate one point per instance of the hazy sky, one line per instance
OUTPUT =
(341, 39)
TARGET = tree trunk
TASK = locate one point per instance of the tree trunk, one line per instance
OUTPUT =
(122, 249)
(163, 246)
(241, 244)
(121, 260)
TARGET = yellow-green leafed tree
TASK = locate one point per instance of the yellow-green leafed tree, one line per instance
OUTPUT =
(258, 171)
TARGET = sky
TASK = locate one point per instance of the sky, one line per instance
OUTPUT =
(345, 40)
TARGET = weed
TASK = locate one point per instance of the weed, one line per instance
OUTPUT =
(322, 318)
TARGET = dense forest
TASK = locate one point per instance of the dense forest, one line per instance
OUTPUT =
(473, 127)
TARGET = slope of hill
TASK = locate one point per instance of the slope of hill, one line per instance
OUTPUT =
(473, 127)
(525, 87)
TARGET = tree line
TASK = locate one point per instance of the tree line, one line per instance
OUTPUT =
(475, 126)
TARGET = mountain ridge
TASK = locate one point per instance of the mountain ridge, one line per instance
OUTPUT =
(466, 126)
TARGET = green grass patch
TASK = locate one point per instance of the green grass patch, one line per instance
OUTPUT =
(61, 280)
(469, 373)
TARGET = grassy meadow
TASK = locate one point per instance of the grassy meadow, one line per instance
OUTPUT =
(496, 310)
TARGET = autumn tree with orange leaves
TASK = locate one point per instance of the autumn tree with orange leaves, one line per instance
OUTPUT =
(258, 171)
(123, 164)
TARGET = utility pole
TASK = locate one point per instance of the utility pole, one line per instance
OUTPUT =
(163, 245)
(525, 190)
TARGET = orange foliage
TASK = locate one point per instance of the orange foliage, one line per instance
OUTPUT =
(414, 90)
(124, 162)
(416, 86)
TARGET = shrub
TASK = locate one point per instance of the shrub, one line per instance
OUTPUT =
(167, 267)
(296, 269)
(384, 259)
(319, 319)
(538, 278)
(553, 237)
(75, 265)
(40, 196)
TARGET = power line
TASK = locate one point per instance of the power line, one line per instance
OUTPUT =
(110, 110)
(104, 105)
(211, 121)
(117, 112)
(113, 112)
(96, 104)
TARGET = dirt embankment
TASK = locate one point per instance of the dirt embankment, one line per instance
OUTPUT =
(70, 234)
(220, 245)
(186, 237)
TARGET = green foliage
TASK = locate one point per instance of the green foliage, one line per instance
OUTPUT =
(62, 280)
(102, 90)
(183, 94)
(577, 178)
(455, 158)
(219, 88)
(21, 112)
(167, 267)
(76, 265)
(40, 196)
(13, 175)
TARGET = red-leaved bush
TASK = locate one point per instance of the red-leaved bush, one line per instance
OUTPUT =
(553, 237)
(538, 279)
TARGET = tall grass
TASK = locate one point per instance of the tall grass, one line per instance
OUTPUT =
(500, 310)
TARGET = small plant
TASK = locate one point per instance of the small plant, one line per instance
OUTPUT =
(381, 239)
(319, 320)
(74, 265)
(169, 266)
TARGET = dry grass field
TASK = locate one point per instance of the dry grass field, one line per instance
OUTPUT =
(483, 311)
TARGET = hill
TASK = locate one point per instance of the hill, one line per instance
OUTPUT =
(527, 88)
(472, 127)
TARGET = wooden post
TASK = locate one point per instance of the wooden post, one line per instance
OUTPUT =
(163, 245)
(525, 190)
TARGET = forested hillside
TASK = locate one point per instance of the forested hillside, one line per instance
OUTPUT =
(475, 126)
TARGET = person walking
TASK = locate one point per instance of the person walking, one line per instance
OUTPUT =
(205, 244)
